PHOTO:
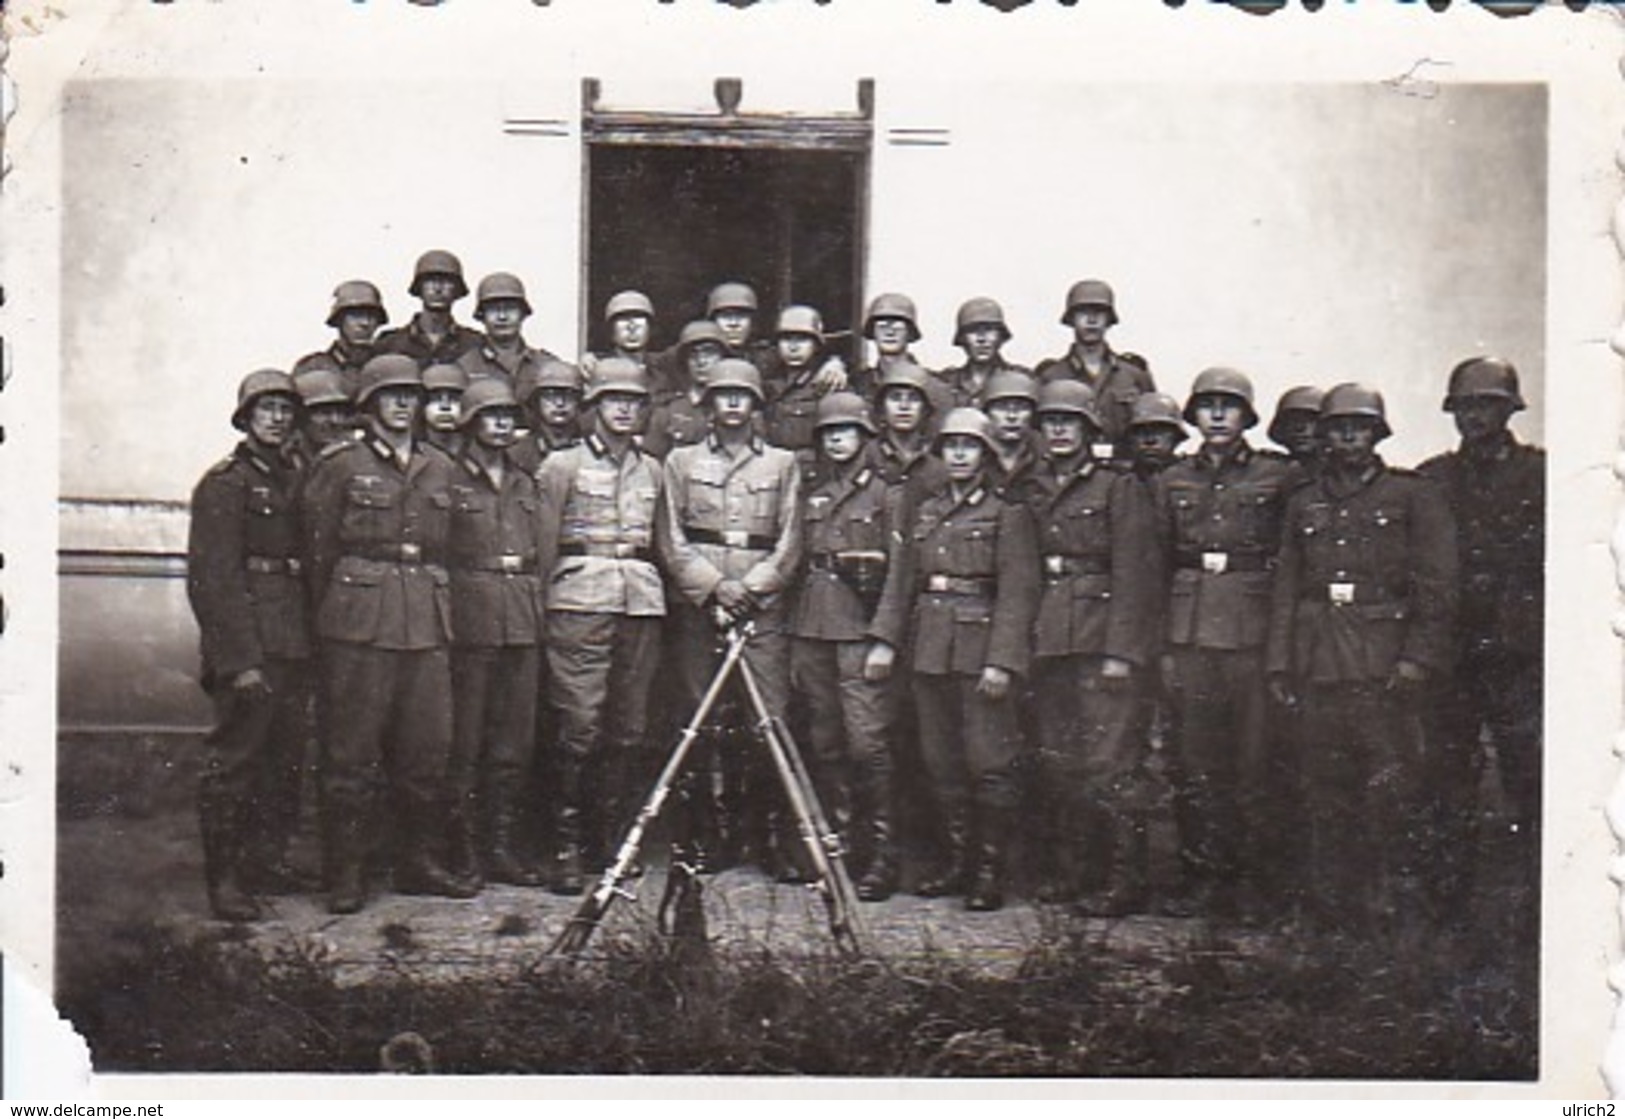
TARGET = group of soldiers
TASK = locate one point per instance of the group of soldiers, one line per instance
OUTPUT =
(458, 562)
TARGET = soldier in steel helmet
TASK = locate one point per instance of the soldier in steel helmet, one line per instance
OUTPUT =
(551, 396)
(1362, 617)
(1495, 485)
(605, 606)
(731, 540)
(1091, 311)
(243, 571)
(964, 602)
(443, 388)
(356, 315)
(849, 514)
(892, 323)
(677, 414)
(981, 331)
(433, 335)
(1294, 427)
(1095, 637)
(501, 306)
(1220, 510)
(792, 385)
(1156, 430)
(496, 613)
(326, 413)
(902, 451)
(1009, 399)
(377, 517)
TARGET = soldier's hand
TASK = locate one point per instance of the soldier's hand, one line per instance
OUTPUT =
(1115, 674)
(734, 598)
(878, 664)
(1407, 678)
(994, 684)
(1170, 672)
(831, 376)
(251, 684)
(1280, 686)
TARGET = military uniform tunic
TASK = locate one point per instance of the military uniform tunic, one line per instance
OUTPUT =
(416, 344)
(340, 358)
(485, 360)
(1118, 384)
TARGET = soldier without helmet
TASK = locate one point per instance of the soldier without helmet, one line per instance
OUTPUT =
(243, 584)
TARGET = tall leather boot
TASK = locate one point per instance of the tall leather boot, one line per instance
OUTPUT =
(1061, 860)
(421, 872)
(951, 873)
(221, 821)
(504, 861)
(1124, 893)
(462, 855)
(879, 880)
(568, 878)
(347, 839)
(986, 892)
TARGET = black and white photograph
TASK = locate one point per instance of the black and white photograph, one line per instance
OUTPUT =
(789, 543)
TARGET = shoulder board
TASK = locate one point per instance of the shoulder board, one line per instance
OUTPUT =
(224, 465)
(336, 447)
(865, 476)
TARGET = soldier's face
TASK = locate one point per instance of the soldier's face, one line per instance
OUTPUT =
(1296, 431)
(503, 318)
(1481, 417)
(735, 325)
(981, 342)
(496, 427)
(328, 423)
(891, 335)
(440, 409)
(842, 442)
(1063, 433)
(357, 325)
(732, 408)
(1012, 418)
(437, 292)
(1350, 441)
(902, 409)
(1089, 324)
(796, 350)
(962, 455)
(557, 407)
(701, 357)
(1156, 443)
(630, 333)
(396, 407)
(621, 412)
(1220, 418)
(270, 420)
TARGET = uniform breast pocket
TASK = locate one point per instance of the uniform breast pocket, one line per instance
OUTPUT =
(1260, 513)
(468, 502)
(974, 551)
(763, 500)
(705, 500)
(1186, 511)
(261, 502)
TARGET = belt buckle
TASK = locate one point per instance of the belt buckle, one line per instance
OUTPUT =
(510, 564)
(292, 563)
(937, 583)
(736, 538)
(1102, 451)
(1055, 565)
(411, 553)
(1340, 594)
(1215, 563)
(625, 551)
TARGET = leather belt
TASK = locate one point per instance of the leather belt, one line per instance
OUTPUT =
(394, 553)
(608, 551)
(954, 584)
(732, 538)
(506, 564)
(273, 565)
(1060, 566)
(1352, 594)
(1220, 563)
(831, 561)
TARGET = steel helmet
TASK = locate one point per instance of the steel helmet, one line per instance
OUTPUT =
(966, 421)
(908, 374)
(498, 286)
(1221, 381)
(1010, 384)
(843, 407)
(387, 371)
(1065, 395)
(1356, 400)
(551, 374)
(1484, 376)
(700, 330)
(1300, 398)
(628, 303)
(443, 376)
(438, 262)
(317, 387)
(617, 374)
(891, 305)
(352, 294)
(980, 311)
(1089, 293)
(261, 382)
(731, 296)
(482, 396)
(801, 319)
(1156, 409)
(735, 373)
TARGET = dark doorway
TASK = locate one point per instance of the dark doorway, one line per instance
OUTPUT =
(672, 221)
